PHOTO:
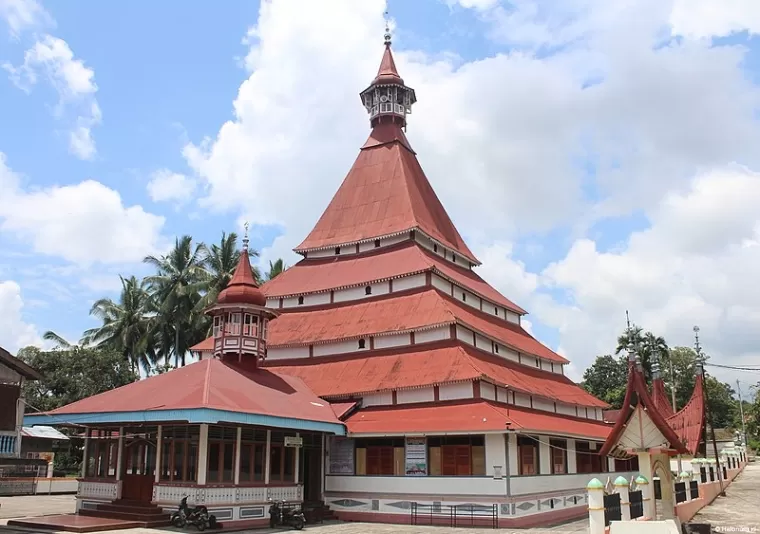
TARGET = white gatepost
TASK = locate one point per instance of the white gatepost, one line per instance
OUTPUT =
(120, 454)
(595, 490)
(647, 500)
(621, 488)
(686, 479)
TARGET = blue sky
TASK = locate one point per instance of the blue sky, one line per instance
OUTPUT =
(580, 149)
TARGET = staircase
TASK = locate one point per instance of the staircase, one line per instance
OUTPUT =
(317, 512)
(142, 514)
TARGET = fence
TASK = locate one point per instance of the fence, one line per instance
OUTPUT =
(455, 515)
(681, 496)
(612, 510)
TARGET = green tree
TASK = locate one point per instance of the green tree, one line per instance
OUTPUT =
(606, 379)
(220, 262)
(125, 324)
(72, 374)
(176, 292)
(275, 269)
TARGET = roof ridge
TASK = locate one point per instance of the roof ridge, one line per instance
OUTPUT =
(207, 382)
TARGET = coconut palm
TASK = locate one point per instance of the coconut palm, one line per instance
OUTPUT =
(126, 324)
(176, 290)
(60, 342)
(219, 262)
(275, 269)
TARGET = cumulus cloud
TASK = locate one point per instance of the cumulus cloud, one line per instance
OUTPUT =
(84, 223)
(15, 332)
(23, 15)
(53, 59)
(715, 18)
(168, 186)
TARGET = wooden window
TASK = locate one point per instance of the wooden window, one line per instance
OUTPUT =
(435, 248)
(337, 250)
(380, 457)
(179, 453)
(232, 326)
(559, 456)
(252, 453)
(587, 460)
(102, 455)
(251, 325)
(456, 456)
(380, 460)
(218, 325)
(300, 301)
(496, 311)
(368, 290)
(264, 329)
(362, 343)
(377, 243)
(221, 454)
(464, 297)
(527, 455)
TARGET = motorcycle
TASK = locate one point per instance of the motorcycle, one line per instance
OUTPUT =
(280, 515)
(197, 516)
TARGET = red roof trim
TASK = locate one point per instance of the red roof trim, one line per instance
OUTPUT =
(637, 386)
(660, 398)
(689, 421)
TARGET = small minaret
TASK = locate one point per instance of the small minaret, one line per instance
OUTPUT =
(240, 316)
(387, 99)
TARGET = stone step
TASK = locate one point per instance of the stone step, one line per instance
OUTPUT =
(127, 516)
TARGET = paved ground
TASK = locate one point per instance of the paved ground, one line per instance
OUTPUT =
(739, 510)
(35, 505)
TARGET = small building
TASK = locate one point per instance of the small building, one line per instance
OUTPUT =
(223, 431)
(13, 374)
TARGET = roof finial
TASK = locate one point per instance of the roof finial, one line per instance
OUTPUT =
(245, 236)
(387, 35)
(698, 350)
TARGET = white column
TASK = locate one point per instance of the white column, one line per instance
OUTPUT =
(545, 456)
(496, 455)
(610, 465)
(595, 490)
(237, 454)
(298, 461)
(647, 497)
(322, 472)
(203, 455)
(621, 488)
(159, 446)
(572, 464)
(686, 478)
(267, 458)
(120, 454)
(514, 468)
(86, 452)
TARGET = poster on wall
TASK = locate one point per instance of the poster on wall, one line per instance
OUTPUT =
(416, 456)
(341, 456)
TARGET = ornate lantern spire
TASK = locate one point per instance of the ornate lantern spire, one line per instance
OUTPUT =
(387, 99)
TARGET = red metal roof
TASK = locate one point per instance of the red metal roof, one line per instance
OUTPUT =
(324, 274)
(689, 421)
(477, 416)
(385, 193)
(342, 408)
(398, 313)
(211, 384)
(387, 73)
(386, 370)
(677, 430)
(242, 287)
(660, 398)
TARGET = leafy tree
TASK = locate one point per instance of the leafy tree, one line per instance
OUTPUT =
(648, 347)
(275, 269)
(606, 379)
(72, 374)
(126, 324)
(175, 296)
(220, 262)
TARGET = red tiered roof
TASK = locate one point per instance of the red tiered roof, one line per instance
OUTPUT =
(385, 193)
(320, 275)
(660, 398)
(242, 287)
(398, 313)
(682, 430)
(469, 416)
(210, 384)
(389, 369)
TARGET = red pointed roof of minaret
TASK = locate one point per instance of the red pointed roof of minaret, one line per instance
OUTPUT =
(387, 73)
(242, 288)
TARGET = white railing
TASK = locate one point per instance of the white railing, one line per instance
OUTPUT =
(285, 493)
(105, 490)
(215, 496)
(251, 494)
(8, 439)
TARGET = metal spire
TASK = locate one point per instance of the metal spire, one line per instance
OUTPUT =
(387, 36)
(245, 236)
(698, 350)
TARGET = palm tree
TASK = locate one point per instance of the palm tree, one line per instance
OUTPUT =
(176, 290)
(126, 324)
(60, 342)
(219, 262)
(275, 269)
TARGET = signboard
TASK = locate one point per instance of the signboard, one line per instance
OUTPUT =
(416, 457)
(292, 441)
(341, 456)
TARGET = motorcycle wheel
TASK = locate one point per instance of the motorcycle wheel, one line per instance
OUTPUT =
(298, 523)
(201, 525)
(177, 520)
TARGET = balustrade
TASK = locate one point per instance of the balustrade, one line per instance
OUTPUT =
(8, 443)
(103, 490)
(213, 496)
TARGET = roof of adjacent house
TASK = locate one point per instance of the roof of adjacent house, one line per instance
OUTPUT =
(24, 369)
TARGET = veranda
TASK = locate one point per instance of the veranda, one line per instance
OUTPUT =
(234, 470)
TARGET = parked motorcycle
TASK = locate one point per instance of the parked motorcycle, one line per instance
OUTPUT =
(197, 516)
(281, 515)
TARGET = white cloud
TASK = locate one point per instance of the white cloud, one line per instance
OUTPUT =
(715, 18)
(74, 82)
(15, 332)
(23, 15)
(83, 223)
(168, 186)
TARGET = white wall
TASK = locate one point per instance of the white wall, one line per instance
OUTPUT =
(545, 458)
(572, 460)
(287, 352)
(462, 390)
(434, 334)
(487, 391)
(416, 485)
(340, 347)
(441, 284)
(409, 282)
(376, 399)
(514, 469)
(542, 484)
(521, 399)
(496, 454)
(540, 403)
(395, 340)
(408, 396)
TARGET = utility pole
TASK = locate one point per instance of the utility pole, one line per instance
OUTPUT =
(741, 412)
(708, 413)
